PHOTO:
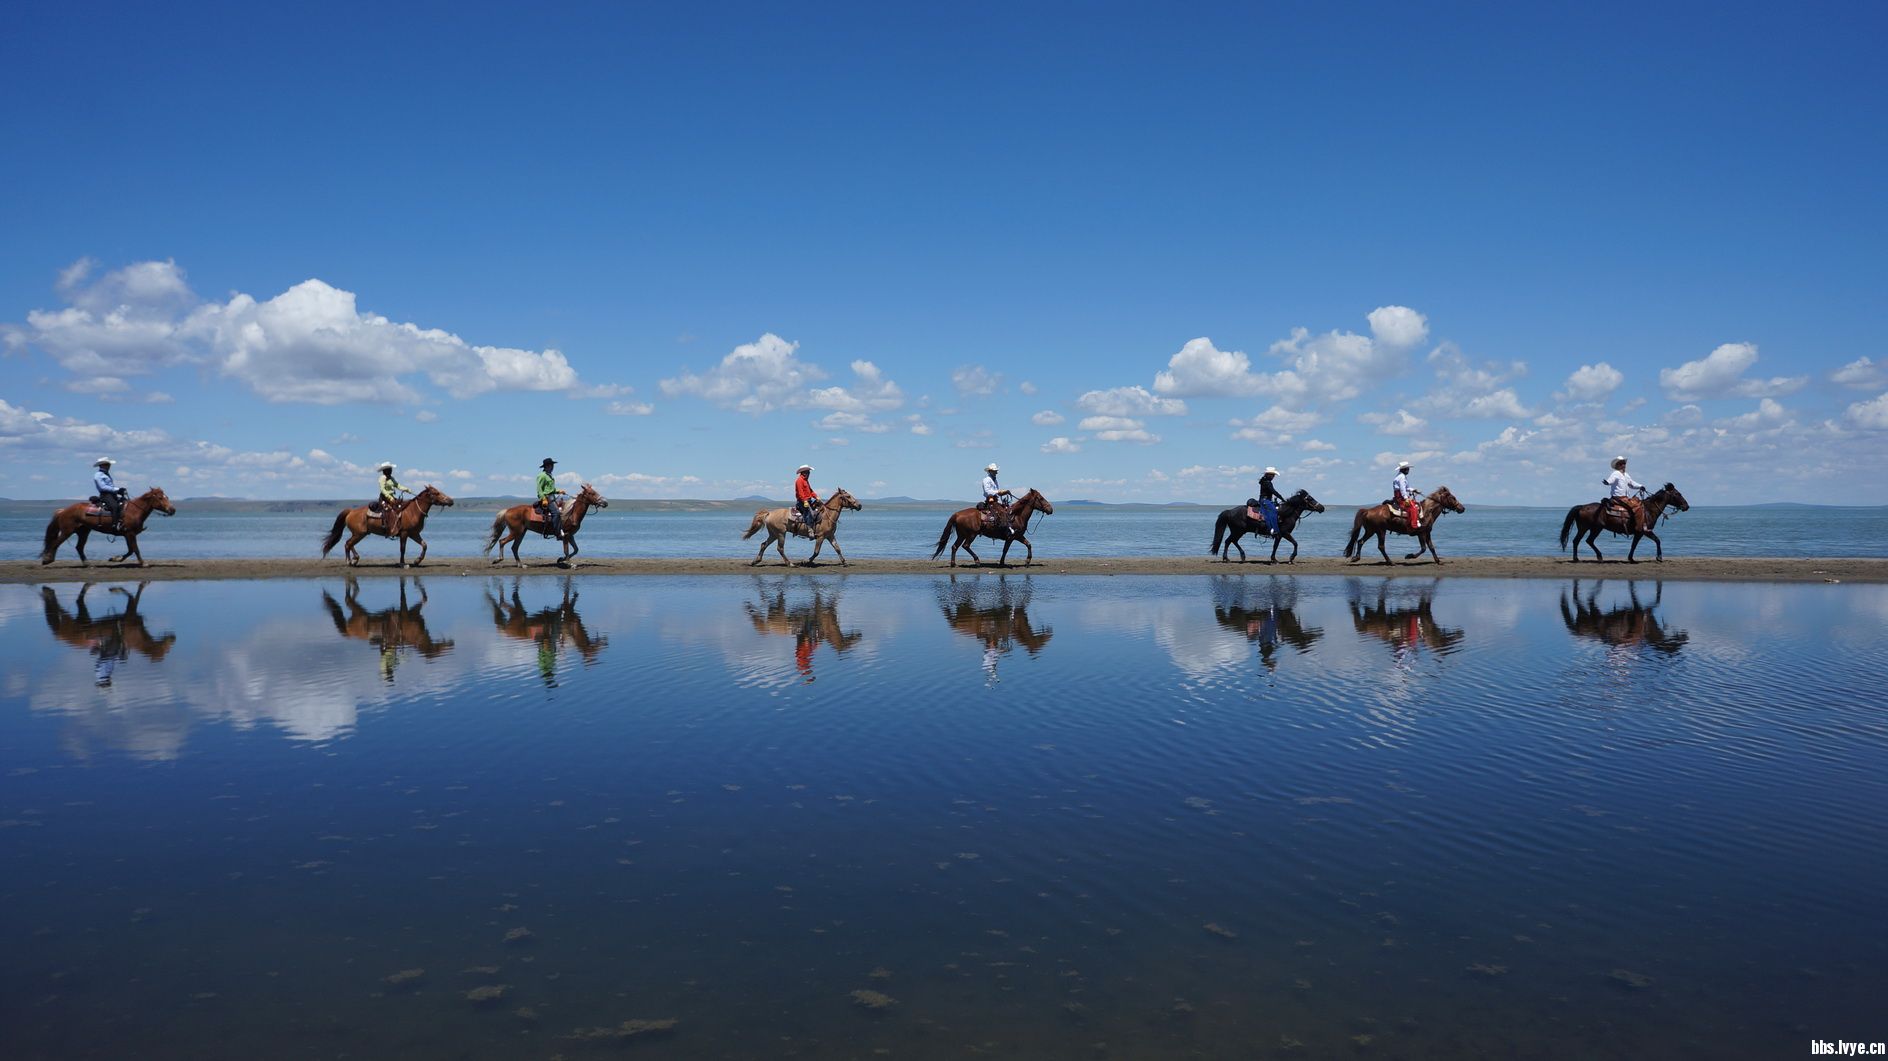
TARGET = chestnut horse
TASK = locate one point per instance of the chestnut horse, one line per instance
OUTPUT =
(84, 518)
(1597, 516)
(1237, 524)
(389, 629)
(779, 526)
(521, 518)
(115, 632)
(1382, 519)
(970, 522)
(361, 522)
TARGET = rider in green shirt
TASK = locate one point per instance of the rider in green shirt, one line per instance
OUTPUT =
(390, 493)
(547, 494)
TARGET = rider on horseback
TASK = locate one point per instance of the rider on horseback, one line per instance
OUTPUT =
(548, 493)
(1403, 498)
(388, 504)
(806, 500)
(1624, 492)
(1265, 506)
(992, 505)
(111, 496)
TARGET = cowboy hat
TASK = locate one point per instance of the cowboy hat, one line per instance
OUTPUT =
(1618, 461)
(803, 468)
(1269, 470)
(1402, 465)
(383, 464)
(101, 461)
(990, 467)
(548, 460)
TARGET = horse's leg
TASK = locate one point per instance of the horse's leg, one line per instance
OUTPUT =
(1593, 542)
(1233, 543)
(1658, 544)
(574, 548)
(79, 543)
(1004, 559)
(965, 540)
(813, 560)
(422, 542)
(1381, 535)
(763, 550)
(1429, 543)
(842, 556)
(131, 549)
(780, 544)
(1030, 556)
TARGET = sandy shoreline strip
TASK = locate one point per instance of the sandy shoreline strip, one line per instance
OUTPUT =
(1721, 569)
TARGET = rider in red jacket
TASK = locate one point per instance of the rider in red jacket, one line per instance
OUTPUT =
(805, 498)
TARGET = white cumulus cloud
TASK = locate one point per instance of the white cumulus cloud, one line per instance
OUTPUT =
(1398, 326)
(1060, 444)
(1720, 374)
(1047, 418)
(1401, 422)
(755, 377)
(1129, 401)
(1861, 374)
(1871, 415)
(1592, 383)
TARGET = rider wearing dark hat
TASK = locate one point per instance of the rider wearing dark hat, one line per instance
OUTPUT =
(548, 493)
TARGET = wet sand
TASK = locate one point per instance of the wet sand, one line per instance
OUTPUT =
(1722, 569)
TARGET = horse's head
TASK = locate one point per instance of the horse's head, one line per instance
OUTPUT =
(1676, 499)
(844, 500)
(159, 501)
(1447, 500)
(1034, 499)
(435, 495)
(1307, 502)
(590, 496)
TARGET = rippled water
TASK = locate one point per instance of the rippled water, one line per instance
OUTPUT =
(1050, 817)
(906, 533)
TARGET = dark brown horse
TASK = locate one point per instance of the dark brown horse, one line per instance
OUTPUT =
(1585, 522)
(1234, 524)
(84, 518)
(389, 629)
(968, 523)
(1623, 626)
(519, 519)
(1384, 519)
(115, 635)
(779, 523)
(362, 521)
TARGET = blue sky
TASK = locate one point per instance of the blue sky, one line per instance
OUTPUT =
(1129, 252)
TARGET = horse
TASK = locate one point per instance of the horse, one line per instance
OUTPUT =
(998, 623)
(970, 522)
(1235, 521)
(1402, 625)
(549, 627)
(389, 629)
(361, 522)
(83, 518)
(810, 625)
(1592, 518)
(519, 519)
(112, 636)
(779, 526)
(1384, 519)
(1624, 626)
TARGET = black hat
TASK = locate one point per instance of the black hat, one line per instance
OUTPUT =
(548, 460)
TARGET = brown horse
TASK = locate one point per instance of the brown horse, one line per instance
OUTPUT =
(1404, 625)
(550, 627)
(971, 522)
(1597, 516)
(519, 519)
(83, 518)
(389, 629)
(999, 622)
(1383, 519)
(361, 522)
(1623, 626)
(779, 526)
(114, 636)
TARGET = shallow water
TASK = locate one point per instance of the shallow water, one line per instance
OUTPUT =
(906, 533)
(1068, 817)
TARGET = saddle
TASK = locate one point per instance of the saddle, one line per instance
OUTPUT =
(536, 515)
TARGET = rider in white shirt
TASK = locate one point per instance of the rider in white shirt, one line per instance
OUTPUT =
(993, 495)
(1402, 496)
(1625, 491)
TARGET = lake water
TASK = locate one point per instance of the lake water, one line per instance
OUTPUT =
(912, 532)
(987, 816)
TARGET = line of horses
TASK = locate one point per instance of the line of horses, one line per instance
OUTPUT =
(1582, 526)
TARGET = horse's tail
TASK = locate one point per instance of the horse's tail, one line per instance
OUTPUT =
(334, 532)
(1219, 529)
(944, 537)
(52, 540)
(1351, 547)
(498, 531)
(1566, 528)
(760, 519)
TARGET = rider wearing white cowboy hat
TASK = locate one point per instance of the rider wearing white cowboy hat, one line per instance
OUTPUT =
(1264, 508)
(390, 492)
(1401, 496)
(993, 496)
(110, 494)
(1623, 490)
(805, 498)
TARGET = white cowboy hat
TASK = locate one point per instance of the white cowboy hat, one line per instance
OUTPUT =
(1402, 465)
(803, 468)
(383, 464)
(1617, 461)
(101, 460)
(1269, 470)
(990, 467)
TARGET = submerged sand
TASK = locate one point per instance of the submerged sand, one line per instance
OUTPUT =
(1727, 569)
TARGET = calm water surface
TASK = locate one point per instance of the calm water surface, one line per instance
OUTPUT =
(982, 816)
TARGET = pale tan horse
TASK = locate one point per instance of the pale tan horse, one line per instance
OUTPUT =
(84, 518)
(1378, 520)
(779, 526)
(361, 522)
(519, 519)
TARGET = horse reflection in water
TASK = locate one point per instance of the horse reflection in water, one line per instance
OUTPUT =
(1623, 626)
(111, 637)
(811, 623)
(391, 630)
(998, 618)
(1267, 619)
(1403, 620)
(550, 627)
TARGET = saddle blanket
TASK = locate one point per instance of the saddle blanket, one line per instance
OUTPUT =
(563, 512)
